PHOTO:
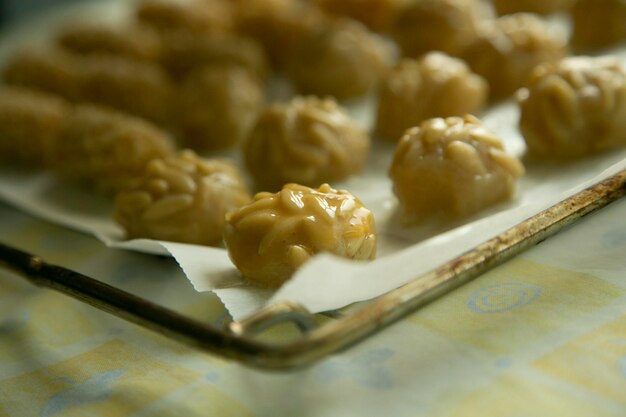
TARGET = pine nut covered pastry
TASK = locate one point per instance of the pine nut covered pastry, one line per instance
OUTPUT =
(134, 42)
(342, 59)
(508, 49)
(306, 140)
(30, 123)
(106, 148)
(435, 86)
(217, 106)
(448, 26)
(453, 167)
(270, 238)
(181, 198)
(575, 107)
(139, 88)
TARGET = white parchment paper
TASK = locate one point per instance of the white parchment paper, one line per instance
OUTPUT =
(326, 282)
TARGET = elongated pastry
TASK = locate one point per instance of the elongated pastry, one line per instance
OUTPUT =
(134, 42)
(307, 140)
(452, 167)
(139, 88)
(270, 238)
(181, 198)
(106, 148)
(435, 86)
(30, 123)
(574, 108)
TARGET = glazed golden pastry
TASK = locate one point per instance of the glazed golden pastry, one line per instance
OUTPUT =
(141, 89)
(574, 108)
(106, 148)
(134, 42)
(217, 107)
(181, 198)
(453, 167)
(196, 16)
(435, 86)
(30, 122)
(343, 60)
(532, 6)
(307, 140)
(508, 49)
(279, 25)
(448, 26)
(184, 52)
(598, 23)
(376, 14)
(270, 238)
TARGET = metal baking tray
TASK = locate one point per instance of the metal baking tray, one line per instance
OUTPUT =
(241, 340)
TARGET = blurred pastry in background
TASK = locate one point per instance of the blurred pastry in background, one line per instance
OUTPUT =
(217, 106)
(102, 147)
(574, 108)
(139, 88)
(437, 85)
(181, 198)
(133, 42)
(453, 168)
(375, 14)
(195, 16)
(270, 238)
(183, 52)
(342, 59)
(532, 6)
(598, 23)
(279, 25)
(306, 140)
(30, 123)
(508, 48)
(421, 26)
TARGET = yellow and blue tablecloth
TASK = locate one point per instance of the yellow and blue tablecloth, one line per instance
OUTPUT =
(542, 335)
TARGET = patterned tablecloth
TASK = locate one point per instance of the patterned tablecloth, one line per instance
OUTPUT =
(542, 335)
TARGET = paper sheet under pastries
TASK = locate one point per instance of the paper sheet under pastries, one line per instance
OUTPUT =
(327, 283)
